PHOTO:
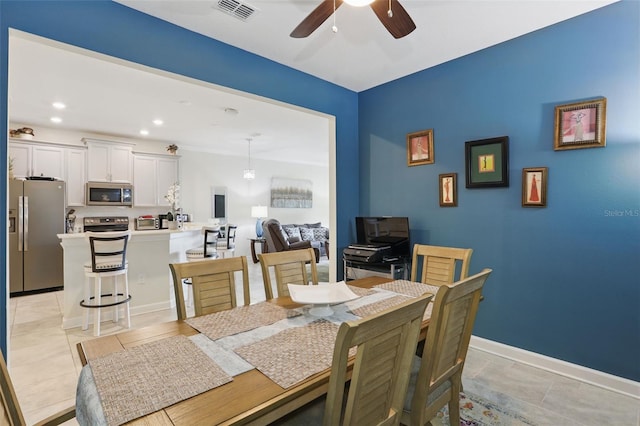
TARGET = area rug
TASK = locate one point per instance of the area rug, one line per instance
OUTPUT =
(476, 411)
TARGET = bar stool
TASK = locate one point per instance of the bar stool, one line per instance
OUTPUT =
(208, 250)
(227, 245)
(108, 260)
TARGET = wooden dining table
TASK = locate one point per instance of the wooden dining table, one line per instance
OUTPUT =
(251, 398)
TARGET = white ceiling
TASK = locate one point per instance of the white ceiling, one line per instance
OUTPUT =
(110, 96)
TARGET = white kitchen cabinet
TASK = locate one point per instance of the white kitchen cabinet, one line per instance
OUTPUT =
(152, 176)
(76, 175)
(33, 159)
(109, 161)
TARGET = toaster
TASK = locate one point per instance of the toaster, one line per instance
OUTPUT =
(146, 223)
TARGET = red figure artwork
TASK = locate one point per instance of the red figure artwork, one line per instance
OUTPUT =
(534, 190)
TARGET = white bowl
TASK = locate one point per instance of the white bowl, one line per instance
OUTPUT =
(321, 296)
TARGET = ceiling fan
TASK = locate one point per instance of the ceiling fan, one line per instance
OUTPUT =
(390, 12)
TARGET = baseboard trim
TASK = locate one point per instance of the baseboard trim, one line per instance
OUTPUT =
(574, 371)
(73, 322)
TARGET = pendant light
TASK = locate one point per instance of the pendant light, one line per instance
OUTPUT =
(249, 173)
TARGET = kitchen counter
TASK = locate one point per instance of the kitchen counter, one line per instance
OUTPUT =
(148, 254)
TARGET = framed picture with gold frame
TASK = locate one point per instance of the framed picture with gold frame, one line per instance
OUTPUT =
(581, 125)
(420, 148)
(448, 189)
(534, 187)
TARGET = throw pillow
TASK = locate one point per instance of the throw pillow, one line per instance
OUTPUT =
(307, 234)
(314, 225)
(319, 234)
(293, 232)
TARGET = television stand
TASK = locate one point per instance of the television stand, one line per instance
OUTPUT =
(396, 269)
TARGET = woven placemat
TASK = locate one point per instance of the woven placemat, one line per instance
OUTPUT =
(294, 354)
(242, 318)
(374, 308)
(153, 376)
(361, 291)
(408, 288)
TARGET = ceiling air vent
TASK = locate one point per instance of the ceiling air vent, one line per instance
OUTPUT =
(242, 11)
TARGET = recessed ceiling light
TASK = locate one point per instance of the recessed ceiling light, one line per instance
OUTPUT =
(58, 105)
(56, 119)
(158, 122)
(144, 132)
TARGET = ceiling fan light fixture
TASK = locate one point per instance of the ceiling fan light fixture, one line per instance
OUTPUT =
(358, 3)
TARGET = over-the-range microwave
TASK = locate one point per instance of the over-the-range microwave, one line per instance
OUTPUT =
(109, 194)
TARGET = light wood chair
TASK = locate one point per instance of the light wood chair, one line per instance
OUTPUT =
(11, 412)
(290, 267)
(213, 282)
(436, 378)
(385, 343)
(439, 264)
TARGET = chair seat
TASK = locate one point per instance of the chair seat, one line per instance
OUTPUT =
(107, 266)
(199, 252)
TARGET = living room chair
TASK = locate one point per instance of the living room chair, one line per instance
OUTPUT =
(278, 240)
(213, 282)
(439, 264)
(11, 411)
(290, 267)
(380, 374)
(436, 378)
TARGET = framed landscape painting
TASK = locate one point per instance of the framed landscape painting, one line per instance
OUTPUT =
(487, 162)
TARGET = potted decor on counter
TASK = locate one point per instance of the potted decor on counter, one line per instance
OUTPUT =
(173, 197)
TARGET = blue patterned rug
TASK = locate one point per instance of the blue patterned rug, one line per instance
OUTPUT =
(476, 411)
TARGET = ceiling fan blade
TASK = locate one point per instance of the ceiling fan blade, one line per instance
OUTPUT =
(315, 19)
(400, 24)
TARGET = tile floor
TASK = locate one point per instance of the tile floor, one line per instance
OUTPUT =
(44, 367)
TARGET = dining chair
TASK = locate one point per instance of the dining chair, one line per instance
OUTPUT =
(439, 264)
(213, 282)
(290, 267)
(436, 378)
(12, 413)
(375, 395)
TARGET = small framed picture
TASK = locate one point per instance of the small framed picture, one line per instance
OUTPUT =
(420, 148)
(448, 190)
(534, 187)
(580, 125)
(487, 162)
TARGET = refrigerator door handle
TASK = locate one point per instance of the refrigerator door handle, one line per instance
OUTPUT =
(26, 223)
(20, 221)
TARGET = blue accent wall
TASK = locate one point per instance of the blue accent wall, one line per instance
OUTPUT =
(110, 28)
(566, 278)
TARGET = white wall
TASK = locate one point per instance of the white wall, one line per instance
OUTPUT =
(199, 172)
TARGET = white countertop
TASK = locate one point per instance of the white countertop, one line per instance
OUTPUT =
(170, 232)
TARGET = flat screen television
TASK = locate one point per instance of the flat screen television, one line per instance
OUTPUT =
(383, 231)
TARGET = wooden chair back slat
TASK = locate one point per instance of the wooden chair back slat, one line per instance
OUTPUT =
(214, 284)
(439, 264)
(290, 267)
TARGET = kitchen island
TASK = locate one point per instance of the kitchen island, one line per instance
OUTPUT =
(148, 254)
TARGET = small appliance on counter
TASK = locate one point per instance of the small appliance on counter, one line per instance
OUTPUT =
(105, 223)
(147, 223)
(163, 221)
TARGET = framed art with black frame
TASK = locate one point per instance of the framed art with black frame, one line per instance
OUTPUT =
(448, 189)
(487, 162)
(581, 125)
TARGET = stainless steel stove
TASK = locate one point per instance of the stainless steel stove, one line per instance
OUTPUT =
(106, 223)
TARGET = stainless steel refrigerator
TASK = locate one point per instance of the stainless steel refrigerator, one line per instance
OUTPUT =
(36, 215)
